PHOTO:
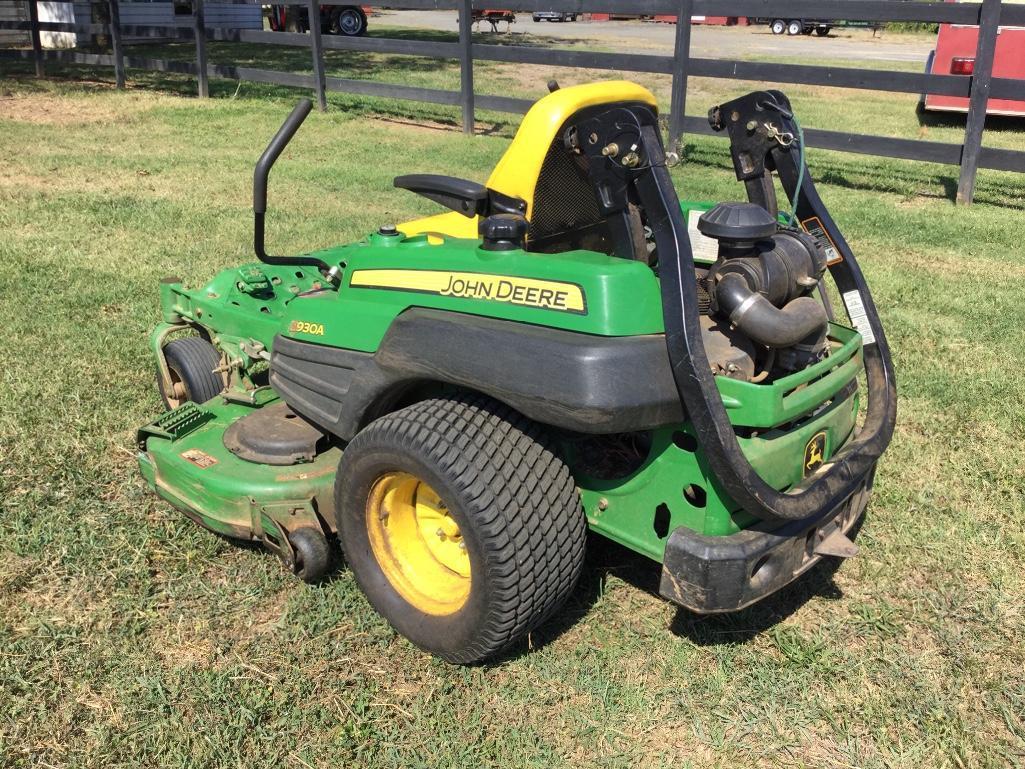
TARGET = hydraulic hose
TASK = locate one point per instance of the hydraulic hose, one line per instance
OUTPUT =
(801, 320)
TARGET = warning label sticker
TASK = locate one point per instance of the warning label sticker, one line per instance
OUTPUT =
(813, 226)
(199, 458)
(705, 249)
(856, 310)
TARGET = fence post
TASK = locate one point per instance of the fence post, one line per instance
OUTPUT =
(37, 44)
(681, 61)
(115, 40)
(978, 99)
(466, 63)
(317, 46)
(199, 33)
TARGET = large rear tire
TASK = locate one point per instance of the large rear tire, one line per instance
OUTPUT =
(460, 523)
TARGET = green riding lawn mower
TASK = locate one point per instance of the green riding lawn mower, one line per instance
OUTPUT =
(459, 398)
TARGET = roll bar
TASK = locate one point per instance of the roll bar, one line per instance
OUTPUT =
(756, 151)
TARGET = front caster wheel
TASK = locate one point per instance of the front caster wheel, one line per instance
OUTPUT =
(190, 362)
(460, 523)
(311, 554)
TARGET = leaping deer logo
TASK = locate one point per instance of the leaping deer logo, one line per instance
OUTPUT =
(814, 453)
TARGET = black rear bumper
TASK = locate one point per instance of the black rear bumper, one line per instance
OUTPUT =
(720, 574)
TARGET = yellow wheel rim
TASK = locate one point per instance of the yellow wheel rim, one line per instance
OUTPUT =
(418, 544)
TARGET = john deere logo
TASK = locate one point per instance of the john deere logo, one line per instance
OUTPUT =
(814, 453)
(529, 292)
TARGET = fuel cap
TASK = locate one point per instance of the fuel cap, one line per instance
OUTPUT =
(503, 232)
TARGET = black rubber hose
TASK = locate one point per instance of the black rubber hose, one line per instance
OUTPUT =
(763, 322)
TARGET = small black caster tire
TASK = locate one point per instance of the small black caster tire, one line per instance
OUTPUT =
(191, 362)
(312, 554)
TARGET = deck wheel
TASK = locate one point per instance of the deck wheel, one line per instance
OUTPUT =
(190, 362)
(311, 554)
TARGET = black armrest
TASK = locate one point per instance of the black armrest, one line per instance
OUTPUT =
(468, 198)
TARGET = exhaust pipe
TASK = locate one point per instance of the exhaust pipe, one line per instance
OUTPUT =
(263, 166)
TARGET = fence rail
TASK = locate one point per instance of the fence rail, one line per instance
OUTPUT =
(978, 88)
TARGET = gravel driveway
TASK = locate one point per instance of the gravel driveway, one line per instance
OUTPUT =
(708, 42)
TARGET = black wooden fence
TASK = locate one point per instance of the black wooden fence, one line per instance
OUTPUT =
(979, 87)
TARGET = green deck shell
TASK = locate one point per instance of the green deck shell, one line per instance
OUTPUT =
(232, 495)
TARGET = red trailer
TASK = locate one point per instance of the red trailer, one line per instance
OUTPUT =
(955, 55)
(350, 20)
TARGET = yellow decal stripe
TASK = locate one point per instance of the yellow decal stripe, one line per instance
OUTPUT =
(528, 292)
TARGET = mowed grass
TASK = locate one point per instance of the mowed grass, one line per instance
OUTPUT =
(130, 637)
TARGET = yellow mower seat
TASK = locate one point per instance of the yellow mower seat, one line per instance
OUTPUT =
(518, 171)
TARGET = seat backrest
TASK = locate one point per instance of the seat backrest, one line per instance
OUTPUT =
(537, 168)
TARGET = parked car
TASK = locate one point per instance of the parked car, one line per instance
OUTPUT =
(954, 54)
(779, 25)
(349, 20)
(554, 16)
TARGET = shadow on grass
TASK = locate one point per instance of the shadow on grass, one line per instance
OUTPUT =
(353, 64)
(606, 558)
(996, 123)
(93, 79)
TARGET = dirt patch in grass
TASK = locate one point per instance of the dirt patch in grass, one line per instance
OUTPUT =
(183, 644)
(45, 109)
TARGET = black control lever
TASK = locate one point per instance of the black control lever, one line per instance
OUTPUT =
(463, 196)
(260, 174)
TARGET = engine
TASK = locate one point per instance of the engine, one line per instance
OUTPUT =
(762, 321)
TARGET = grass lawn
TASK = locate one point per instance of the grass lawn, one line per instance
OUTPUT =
(129, 637)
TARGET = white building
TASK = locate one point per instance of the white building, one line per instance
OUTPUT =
(81, 13)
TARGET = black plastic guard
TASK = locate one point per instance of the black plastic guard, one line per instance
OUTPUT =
(710, 575)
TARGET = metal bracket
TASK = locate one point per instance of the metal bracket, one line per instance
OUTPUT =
(160, 333)
(836, 544)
